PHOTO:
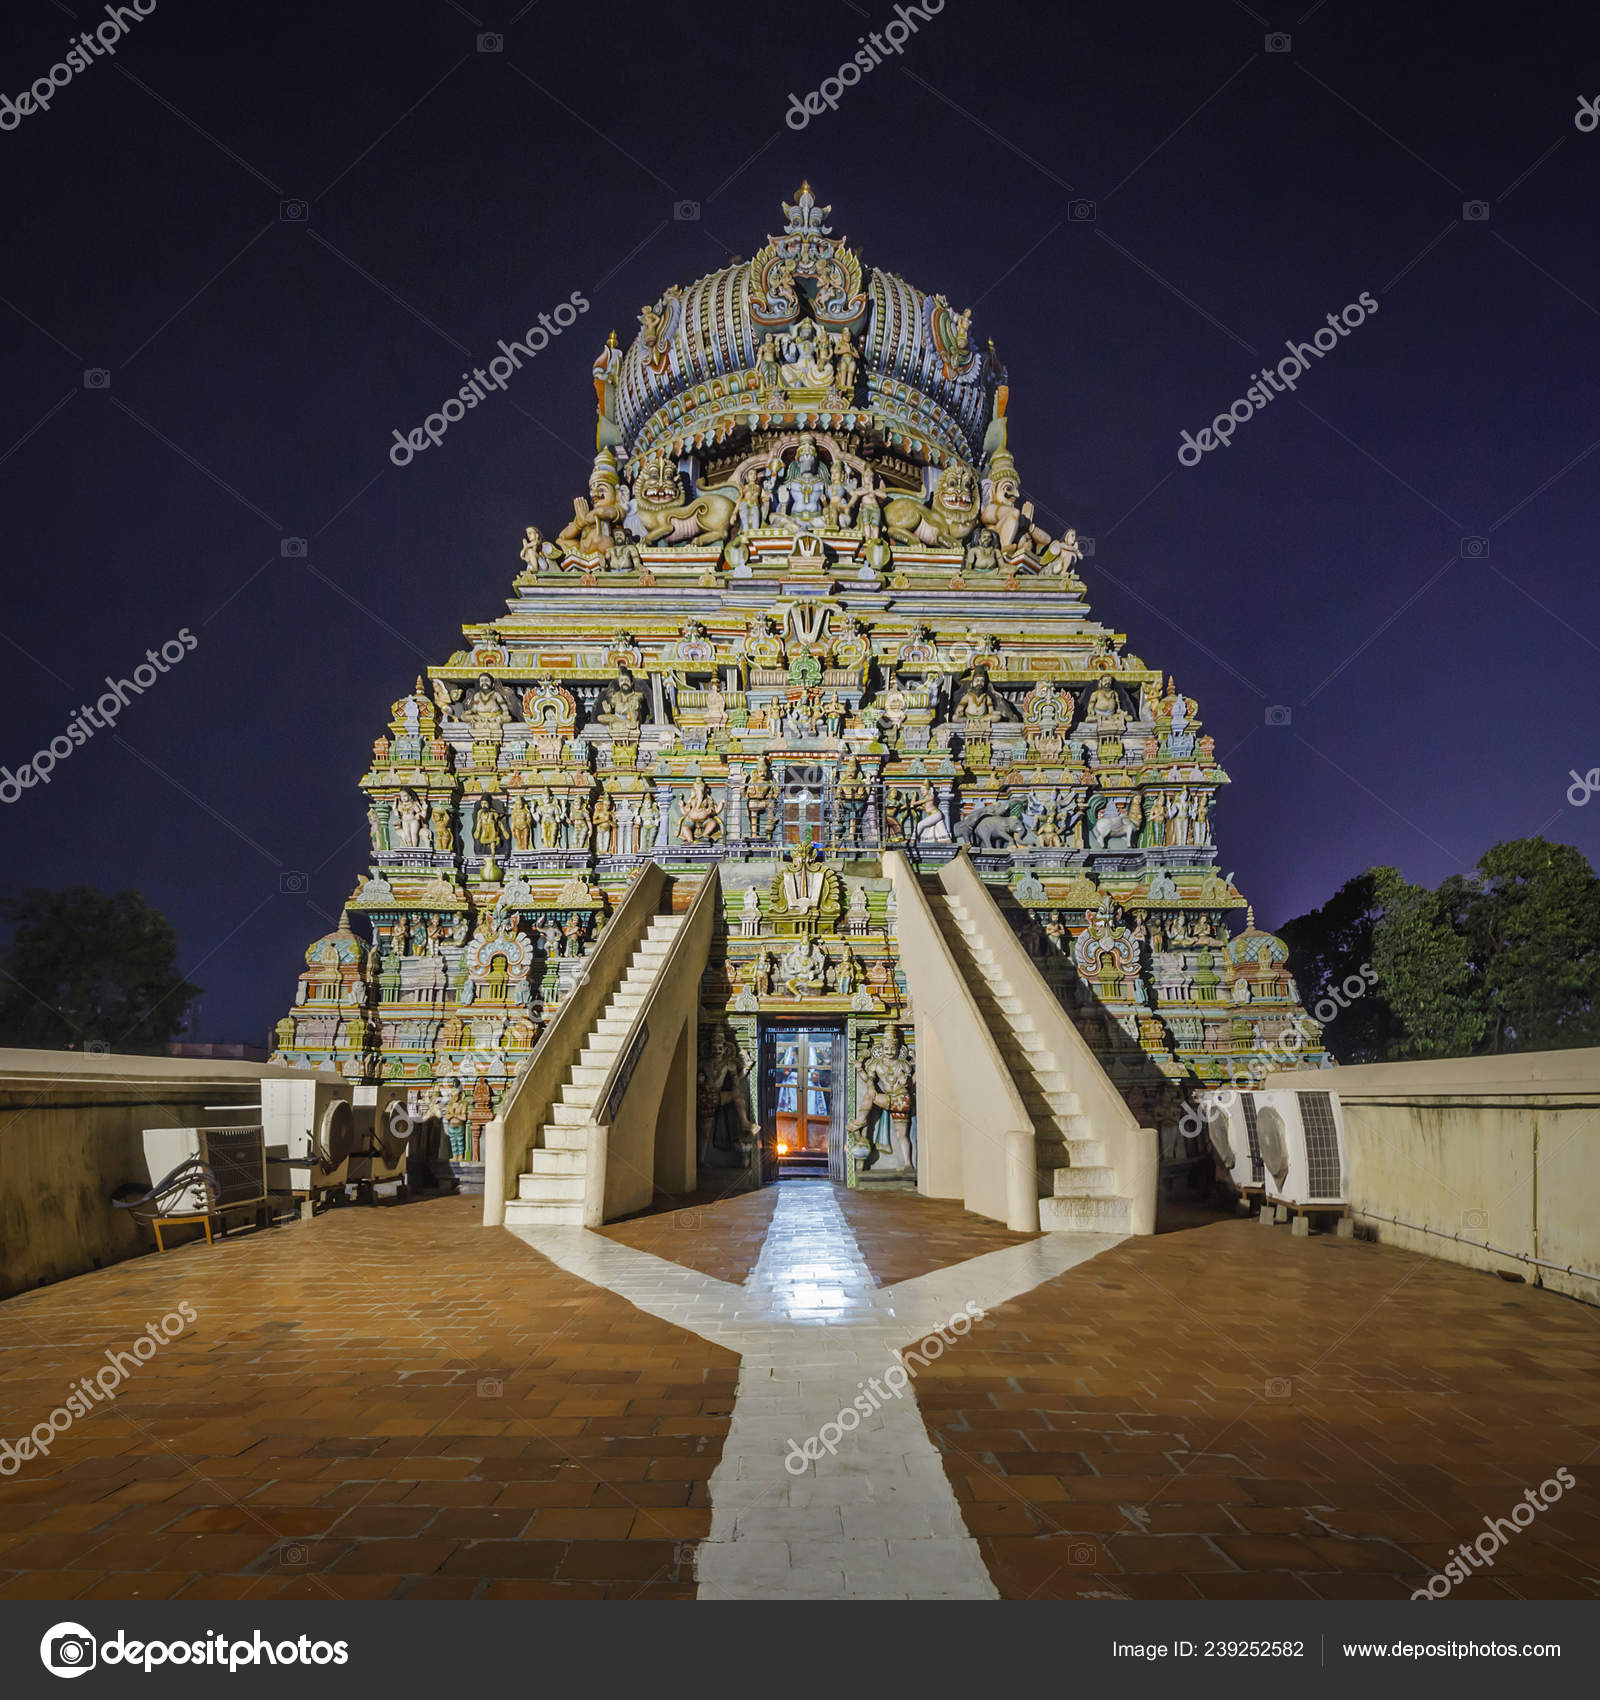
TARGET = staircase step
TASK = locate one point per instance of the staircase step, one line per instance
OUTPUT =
(564, 1136)
(599, 1052)
(531, 1213)
(594, 1078)
(1082, 1215)
(558, 1161)
(1079, 1181)
(551, 1189)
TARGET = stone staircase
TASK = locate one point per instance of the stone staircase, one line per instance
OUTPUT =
(1077, 1188)
(551, 1190)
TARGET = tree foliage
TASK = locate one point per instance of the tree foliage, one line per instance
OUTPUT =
(1424, 971)
(87, 967)
(1530, 918)
(1330, 946)
(1506, 958)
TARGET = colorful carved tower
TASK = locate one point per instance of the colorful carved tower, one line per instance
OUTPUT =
(802, 617)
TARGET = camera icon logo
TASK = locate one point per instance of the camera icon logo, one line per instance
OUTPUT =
(1475, 212)
(1474, 548)
(686, 212)
(1086, 544)
(68, 1649)
(1080, 212)
(292, 548)
(491, 42)
(491, 1387)
(96, 1048)
(293, 883)
(97, 378)
(1084, 1554)
(294, 211)
(1476, 1220)
(1279, 715)
(1280, 1387)
(1278, 42)
(294, 1554)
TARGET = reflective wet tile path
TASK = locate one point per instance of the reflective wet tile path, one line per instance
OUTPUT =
(869, 1514)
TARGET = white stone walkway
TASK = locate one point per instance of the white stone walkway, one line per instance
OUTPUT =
(876, 1518)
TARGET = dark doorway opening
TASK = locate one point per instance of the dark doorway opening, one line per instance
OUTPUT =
(803, 1074)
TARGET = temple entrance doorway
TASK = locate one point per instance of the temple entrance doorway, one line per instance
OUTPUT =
(802, 1099)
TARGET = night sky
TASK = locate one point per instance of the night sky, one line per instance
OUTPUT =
(1400, 553)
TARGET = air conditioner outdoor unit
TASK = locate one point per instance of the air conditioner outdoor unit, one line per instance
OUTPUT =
(1230, 1119)
(310, 1130)
(1303, 1155)
(383, 1137)
(203, 1171)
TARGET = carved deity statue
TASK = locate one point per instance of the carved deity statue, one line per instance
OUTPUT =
(768, 375)
(408, 817)
(883, 1083)
(444, 837)
(521, 824)
(869, 509)
(549, 815)
(699, 815)
(1105, 706)
(805, 970)
(759, 796)
(622, 702)
(721, 1099)
(977, 700)
(850, 798)
(649, 821)
(579, 823)
(929, 825)
(487, 831)
(1005, 513)
(605, 824)
(801, 497)
(807, 357)
(845, 359)
(536, 552)
(487, 710)
(597, 520)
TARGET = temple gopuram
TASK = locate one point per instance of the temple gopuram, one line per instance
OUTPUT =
(803, 619)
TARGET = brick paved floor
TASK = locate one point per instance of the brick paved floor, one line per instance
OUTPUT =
(717, 1236)
(903, 1235)
(1229, 1412)
(1219, 1412)
(382, 1402)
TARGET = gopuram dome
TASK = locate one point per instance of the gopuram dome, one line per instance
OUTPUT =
(802, 336)
(801, 688)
